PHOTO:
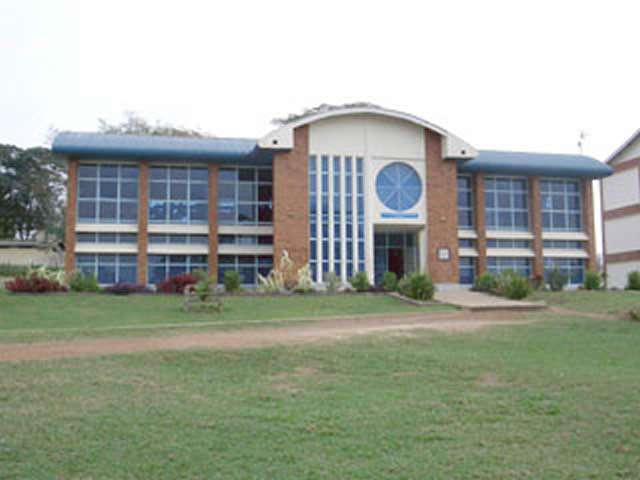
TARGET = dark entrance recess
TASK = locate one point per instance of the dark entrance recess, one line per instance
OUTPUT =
(395, 262)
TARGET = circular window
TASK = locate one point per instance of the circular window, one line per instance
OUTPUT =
(398, 186)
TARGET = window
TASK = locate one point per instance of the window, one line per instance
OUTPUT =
(360, 210)
(573, 268)
(466, 243)
(398, 186)
(384, 245)
(245, 196)
(248, 266)
(561, 205)
(508, 243)
(324, 184)
(106, 237)
(337, 212)
(313, 217)
(506, 203)
(108, 268)
(178, 195)
(162, 267)
(564, 244)
(465, 202)
(161, 238)
(245, 239)
(520, 265)
(467, 267)
(108, 193)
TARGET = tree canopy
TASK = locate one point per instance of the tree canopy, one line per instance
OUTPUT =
(32, 186)
(323, 107)
(135, 124)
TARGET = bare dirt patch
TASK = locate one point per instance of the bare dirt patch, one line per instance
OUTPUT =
(318, 331)
(489, 380)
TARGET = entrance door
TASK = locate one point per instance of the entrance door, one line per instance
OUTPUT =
(396, 261)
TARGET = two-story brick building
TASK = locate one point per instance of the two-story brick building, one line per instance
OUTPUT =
(345, 190)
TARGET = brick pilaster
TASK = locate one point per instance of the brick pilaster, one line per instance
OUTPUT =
(213, 220)
(143, 221)
(291, 200)
(442, 214)
(71, 216)
(588, 220)
(535, 202)
(480, 223)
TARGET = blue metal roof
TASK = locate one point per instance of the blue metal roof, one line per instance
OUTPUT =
(545, 164)
(157, 147)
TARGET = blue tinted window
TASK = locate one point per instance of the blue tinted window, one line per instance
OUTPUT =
(108, 193)
(506, 203)
(561, 205)
(398, 186)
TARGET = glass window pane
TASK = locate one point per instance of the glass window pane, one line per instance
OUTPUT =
(87, 209)
(129, 172)
(87, 171)
(158, 173)
(178, 191)
(265, 175)
(178, 212)
(87, 189)
(129, 190)
(108, 211)
(178, 173)
(247, 193)
(106, 274)
(246, 214)
(227, 175)
(158, 191)
(199, 175)
(108, 190)
(246, 175)
(157, 211)
(108, 171)
(199, 191)
(128, 211)
(199, 212)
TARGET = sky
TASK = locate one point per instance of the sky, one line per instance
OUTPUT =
(513, 75)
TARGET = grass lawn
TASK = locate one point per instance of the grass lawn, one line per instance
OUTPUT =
(557, 399)
(59, 316)
(612, 301)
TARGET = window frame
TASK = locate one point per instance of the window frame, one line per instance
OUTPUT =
(467, 210)
(171, 185)
(566, 212)
(492, 213)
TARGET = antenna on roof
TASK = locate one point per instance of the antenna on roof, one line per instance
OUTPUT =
(581, 140)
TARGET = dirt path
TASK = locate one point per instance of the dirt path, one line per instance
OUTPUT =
(320, 330)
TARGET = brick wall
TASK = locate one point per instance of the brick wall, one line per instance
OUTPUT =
(535, 207)
(291, 199)
(442, 215)
(589, 223)
(70, 220)
(143, 221)
(480, 222)
(213, 220)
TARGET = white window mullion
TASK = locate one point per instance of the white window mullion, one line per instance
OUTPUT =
(318, 218)
(343, 223)
(331, 236)
(354, 208)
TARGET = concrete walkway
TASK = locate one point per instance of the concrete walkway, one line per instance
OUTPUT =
(478, 301)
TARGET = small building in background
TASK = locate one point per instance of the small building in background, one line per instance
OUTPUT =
(621, 213)
(38, 251)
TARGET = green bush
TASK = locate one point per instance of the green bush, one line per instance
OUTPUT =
(512, 285)
(485, 283)
(634, 314)
(332, 281)
(7, 270)
(633, 280)
(592, 280)
(390, 281)
(557, 280)
(231, 281)
(418, 286)
(82, 282)
(360, 282)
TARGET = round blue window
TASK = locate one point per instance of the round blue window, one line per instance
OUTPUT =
(398, 186)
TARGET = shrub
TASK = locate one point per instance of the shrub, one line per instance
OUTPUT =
(418, 286)
(633, 280)
(360, 282)
(512, 285)
(304, 282)
(634, 314)
(485, 282)
(332, 281)
(390, 281)
(231, 281)
(557, 280)
(7, 270)
(178, 283)
(34, 284)
(82, 282)
(592, 280)
(124, 288)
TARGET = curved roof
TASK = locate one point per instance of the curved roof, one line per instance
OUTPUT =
(282, 137)
(546, 164)
(141, 146)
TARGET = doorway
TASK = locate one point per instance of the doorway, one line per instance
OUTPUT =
(395, 261)
(395, 251)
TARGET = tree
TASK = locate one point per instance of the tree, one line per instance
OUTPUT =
(135, 124)
(323, 107)
(31, 191)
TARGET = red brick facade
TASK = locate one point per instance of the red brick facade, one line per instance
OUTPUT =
(589, 223)
(442, 213)
(70, 225)
(480, 222)
(213, 220)
(535, 203)
(143, 221)
(291, 200)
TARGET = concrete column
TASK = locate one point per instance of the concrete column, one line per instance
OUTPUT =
(480, 222)
(588, 220)
(213, 221)
(291, 200)
(535, 207)
(442, 213)
(143, 221)
(71, 216)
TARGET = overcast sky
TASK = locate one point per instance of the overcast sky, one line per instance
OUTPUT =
(506, 75)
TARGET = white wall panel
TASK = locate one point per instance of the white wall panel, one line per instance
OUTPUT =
(622, 234)
(631, 152)
(621, 189)
(617, 273)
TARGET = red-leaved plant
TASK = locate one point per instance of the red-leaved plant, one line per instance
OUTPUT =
(34, 284)
(177, 284)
